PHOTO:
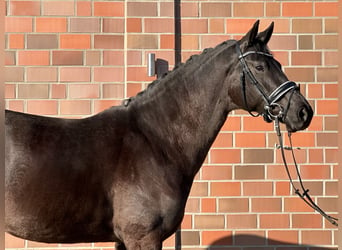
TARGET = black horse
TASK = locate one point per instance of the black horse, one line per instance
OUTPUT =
(124, 175)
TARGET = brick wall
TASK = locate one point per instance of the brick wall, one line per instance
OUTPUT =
(76, 58)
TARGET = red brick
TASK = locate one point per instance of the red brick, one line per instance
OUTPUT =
(208, 205)
(142, 9)
(16, 41)
(233, 205)
(75, 41)
(134, 25)
(138, 74)
(225, 156)
(10, 91)
(225, 189)
(325, 9)
(216, 9)
(256, 124)
(133, 89)
(249, 172)
(274, 221)
(58, 8)
(113, 58)
(209, 221)
(199, 189)
(316, 237)
(60, 57)
(330, 90)
(216, 26)
(75, 107)
(83, 8)
(93, 57)
(167, 41)
(250, 140)
(16, 105)
(282, 188)
(58, 91)
(30, 57)
(238, 26)
(75, 74)
(113, 9)
(288, 236)
(194, 26)
(327, 74)
(295, 204)
(14, 74)
(248, 9)
(258, 156)
(297, 9)
(273, 9)
(306, 74)
(223, 140)
(85, 24)
(232, 124)
(159, 25)
(108, 74)
(100, 105)
(306, 221)
(217, 238)
(18, 24)
(190, 42)
(236, 221)
(327, 139)
(24, 8)
(306, 58)
(283, 42)
(327, 107)
(46, 107)
(142, 41)
(9, 58)
(108, 42)
(84, 91)
(42, 41)
(192, 205)
(211, 40)
(33, 91)
(187, 9)
(307, 25)
(257, 188)
(216, 172)
(266, 204)
(49, 24)
(113, 91)
(41, 74)
(111, 25)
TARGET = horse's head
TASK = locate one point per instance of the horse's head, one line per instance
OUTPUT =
(261, 85)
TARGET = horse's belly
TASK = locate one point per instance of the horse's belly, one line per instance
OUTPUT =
(57, 229)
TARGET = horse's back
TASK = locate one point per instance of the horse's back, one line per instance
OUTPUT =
(58, 176)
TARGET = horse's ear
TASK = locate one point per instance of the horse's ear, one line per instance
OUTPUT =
(251, 35)
(266, 34)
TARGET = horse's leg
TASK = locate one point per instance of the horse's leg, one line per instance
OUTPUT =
(120, 246)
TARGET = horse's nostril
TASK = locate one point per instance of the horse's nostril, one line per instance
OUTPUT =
(303, 114)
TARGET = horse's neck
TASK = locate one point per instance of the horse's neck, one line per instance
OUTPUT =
(183, 115)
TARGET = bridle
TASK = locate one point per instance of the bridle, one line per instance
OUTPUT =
(273, 111)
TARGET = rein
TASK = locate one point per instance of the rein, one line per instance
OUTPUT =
(303, 193)
(275, 112)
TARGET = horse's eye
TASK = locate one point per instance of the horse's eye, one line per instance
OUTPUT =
(260, 68)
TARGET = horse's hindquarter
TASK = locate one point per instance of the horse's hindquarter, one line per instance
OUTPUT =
(57, 177)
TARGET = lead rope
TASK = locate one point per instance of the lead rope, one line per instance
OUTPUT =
(304, 195)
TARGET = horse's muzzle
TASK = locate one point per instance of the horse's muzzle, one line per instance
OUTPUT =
(302, 120)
